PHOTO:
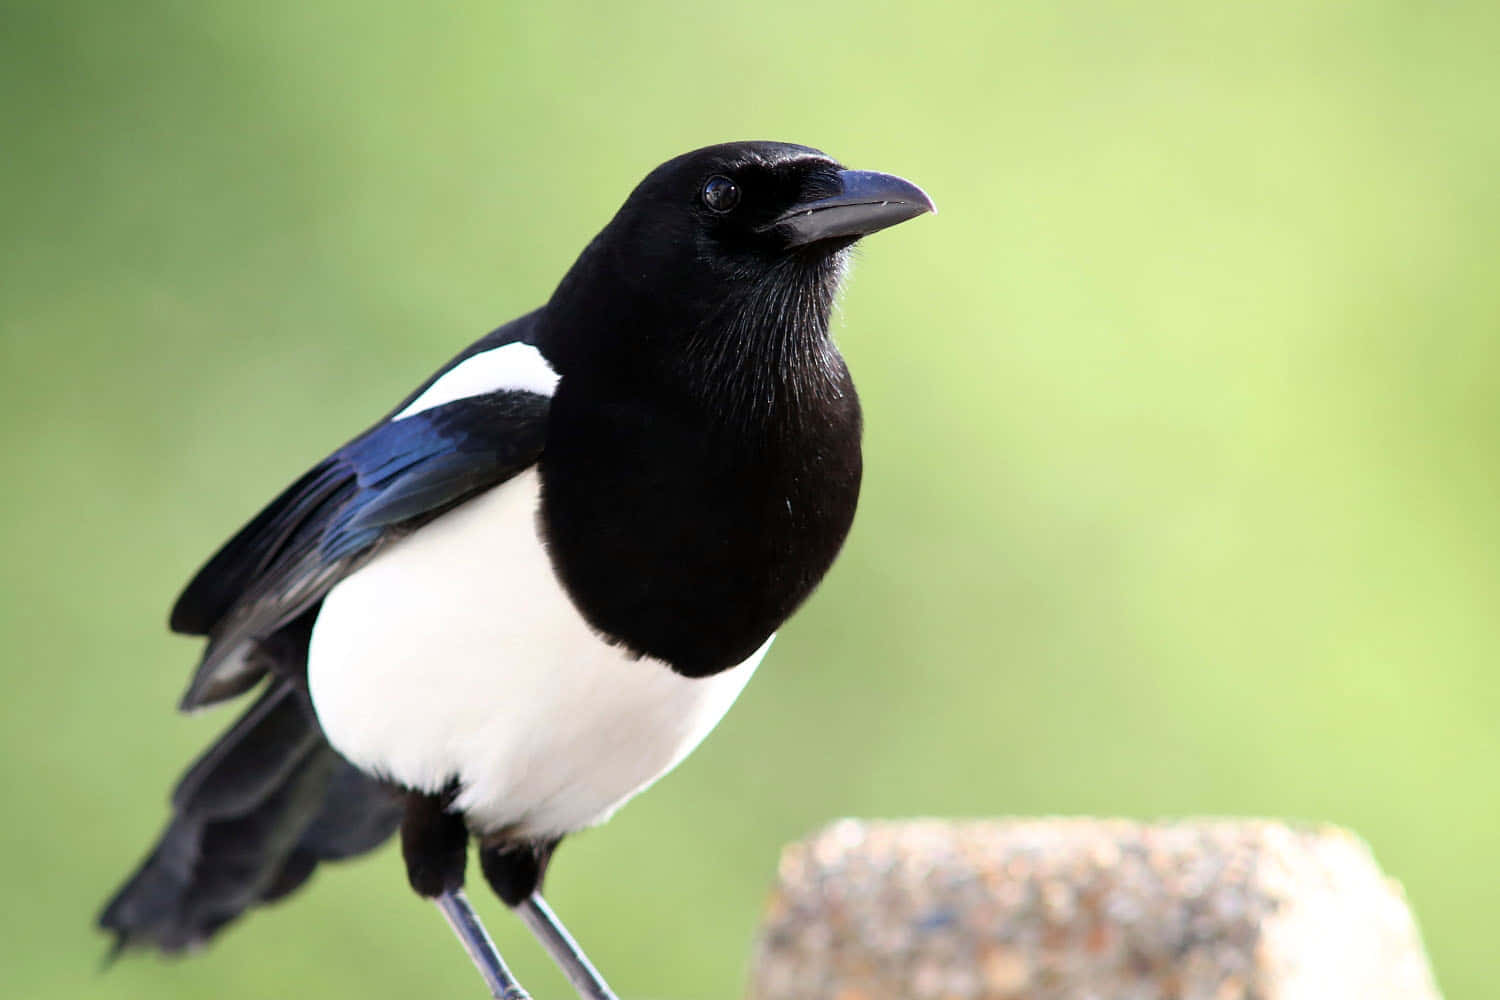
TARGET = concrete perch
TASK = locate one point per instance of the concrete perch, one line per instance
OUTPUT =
(1082, 909)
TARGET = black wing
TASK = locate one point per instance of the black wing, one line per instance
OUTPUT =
(385, 483)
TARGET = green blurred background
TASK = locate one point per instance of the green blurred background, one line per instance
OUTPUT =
(1182, 451)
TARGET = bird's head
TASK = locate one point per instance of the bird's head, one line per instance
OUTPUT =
(731, 253)
(746, 205)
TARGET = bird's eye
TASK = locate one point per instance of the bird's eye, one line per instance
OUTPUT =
(720, 194)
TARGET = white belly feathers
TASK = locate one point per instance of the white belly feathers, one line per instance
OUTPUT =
(455, 653)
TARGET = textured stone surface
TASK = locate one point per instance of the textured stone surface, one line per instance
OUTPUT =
(1086, 910)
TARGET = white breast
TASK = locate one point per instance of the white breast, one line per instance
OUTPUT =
(455, 653)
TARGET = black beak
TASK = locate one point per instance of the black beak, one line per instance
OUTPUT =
(867, 202)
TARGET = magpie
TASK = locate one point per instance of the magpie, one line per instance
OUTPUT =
(533, 587)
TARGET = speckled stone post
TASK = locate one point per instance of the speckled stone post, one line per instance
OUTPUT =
(1081, 909)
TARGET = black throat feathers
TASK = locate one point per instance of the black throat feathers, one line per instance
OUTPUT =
(696, 490)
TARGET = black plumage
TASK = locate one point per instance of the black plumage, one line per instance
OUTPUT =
(251, 819)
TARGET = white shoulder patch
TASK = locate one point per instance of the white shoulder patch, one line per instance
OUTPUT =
(519, 367)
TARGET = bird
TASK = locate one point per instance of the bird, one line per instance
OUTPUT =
(535, 585)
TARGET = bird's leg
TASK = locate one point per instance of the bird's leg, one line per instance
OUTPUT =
(538, 916)
(435, 845)
(514, 870)
(476, 941)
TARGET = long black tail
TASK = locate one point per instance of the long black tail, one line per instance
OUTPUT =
(251, 819)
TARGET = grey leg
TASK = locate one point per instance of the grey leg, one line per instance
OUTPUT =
(538, 916)
(476, 941)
